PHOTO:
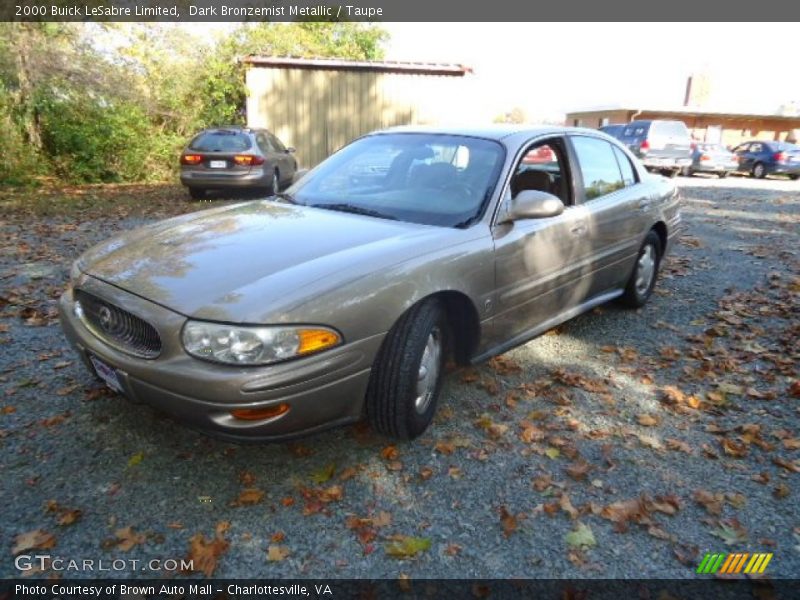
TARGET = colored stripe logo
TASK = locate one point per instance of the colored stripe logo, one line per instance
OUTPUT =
(733, 564)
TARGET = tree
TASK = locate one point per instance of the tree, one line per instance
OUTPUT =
(116, 101)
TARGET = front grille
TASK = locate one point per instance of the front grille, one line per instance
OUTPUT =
(118, 327)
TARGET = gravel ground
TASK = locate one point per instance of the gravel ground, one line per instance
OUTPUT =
(664, 433)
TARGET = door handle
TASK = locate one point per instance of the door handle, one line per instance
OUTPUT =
(578, 229)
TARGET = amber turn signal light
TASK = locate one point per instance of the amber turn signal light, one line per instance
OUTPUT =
(257, 414)
(314, 340)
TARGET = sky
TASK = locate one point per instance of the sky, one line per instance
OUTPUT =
(548, 69)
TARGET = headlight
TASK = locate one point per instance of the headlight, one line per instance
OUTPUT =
(244, 345)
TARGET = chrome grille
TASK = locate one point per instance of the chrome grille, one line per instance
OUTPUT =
(117, 327)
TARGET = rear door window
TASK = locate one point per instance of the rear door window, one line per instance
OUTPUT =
(276, 143)
(599, 167)
(625, 167)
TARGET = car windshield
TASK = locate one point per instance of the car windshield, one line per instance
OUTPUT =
(443, 180)
(220, 141)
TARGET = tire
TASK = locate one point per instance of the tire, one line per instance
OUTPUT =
(640, 285)
(197, 193)
(400, 400)
(723, 174)
(686, 172)
(671, 173)
(759, 170)
(794, 177)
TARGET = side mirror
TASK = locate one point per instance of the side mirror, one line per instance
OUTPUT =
(290, 150)
(298, 175)
(533, 204)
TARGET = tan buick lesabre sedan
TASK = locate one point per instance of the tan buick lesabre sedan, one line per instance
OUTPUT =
(345, 295)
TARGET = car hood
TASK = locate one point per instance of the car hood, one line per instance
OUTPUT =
(235, 263)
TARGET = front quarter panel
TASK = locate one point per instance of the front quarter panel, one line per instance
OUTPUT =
(371, 303)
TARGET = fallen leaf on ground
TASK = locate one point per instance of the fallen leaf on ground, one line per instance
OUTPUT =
(390, 453)
(731, 532)
(324, 474)
(578, 470)
(277, 553)
(127, 538)
(508, 521)
(403, 546)
(678, 445)
(566, 505)
(794, 467)
(711, 502)
(647, 420)
(581, 537)
(36, 539)
(204, 553)
(552, 452)
(248, 497)
(135, 459)
(247, 479)
(734, 448)
(781, 491)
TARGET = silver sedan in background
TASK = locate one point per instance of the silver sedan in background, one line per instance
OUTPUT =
(226, 158)
(345, 295)
(711, 158)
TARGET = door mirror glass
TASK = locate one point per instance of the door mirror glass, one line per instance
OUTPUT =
(533, 204)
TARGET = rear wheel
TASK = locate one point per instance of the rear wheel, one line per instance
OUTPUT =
(645, 272)
(671, 173)
(197, 193)
(759, 170)
(724, 174)
(407, 375)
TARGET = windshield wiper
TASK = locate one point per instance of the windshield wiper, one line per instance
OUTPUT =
(284, 197)
(357, 210)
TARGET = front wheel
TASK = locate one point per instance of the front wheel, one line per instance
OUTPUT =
(645, 272)
(407, 374)
(759, 171)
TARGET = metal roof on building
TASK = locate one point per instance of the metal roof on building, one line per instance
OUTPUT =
(690, 111)
(377, 66)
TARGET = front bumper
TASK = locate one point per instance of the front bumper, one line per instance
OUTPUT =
(322, 391)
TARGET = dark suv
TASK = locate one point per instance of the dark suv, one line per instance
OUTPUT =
(236, 157)
(663, 146)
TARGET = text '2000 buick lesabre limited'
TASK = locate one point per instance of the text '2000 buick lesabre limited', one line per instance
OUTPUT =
(345, 295)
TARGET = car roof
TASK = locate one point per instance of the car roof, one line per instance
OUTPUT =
(491, 132)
